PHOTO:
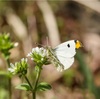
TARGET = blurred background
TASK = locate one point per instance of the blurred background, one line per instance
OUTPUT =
(32, 21)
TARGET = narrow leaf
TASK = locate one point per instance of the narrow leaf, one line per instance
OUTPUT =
(4, 73)
(43, 86)
(23, 86)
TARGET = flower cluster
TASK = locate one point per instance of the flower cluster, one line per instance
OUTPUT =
(19, 67)
(39, 55)
(54, 60)
(5, 44)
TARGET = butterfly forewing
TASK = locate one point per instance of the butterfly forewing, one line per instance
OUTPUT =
(66, 49)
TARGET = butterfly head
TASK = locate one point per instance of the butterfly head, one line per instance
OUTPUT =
(78, 44)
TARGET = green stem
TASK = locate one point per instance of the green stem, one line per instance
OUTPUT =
(9, 81)
(29, 84)
(36, 83)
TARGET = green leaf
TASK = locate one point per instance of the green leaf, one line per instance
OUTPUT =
(43, 86)
(4, 73)
(37, 68)
(23, 86)
(5, 44)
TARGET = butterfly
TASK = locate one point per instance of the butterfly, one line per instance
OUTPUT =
(63, 54)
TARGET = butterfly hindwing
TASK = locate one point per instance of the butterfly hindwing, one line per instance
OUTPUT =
(67, 62)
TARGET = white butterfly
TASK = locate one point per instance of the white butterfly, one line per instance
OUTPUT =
(64, 54)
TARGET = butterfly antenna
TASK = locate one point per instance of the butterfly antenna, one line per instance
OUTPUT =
(39, 44)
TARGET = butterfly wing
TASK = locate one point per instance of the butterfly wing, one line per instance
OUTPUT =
(65, 53)
(66, 49)
(67, 62)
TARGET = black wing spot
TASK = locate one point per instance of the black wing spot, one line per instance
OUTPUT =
(68, 45)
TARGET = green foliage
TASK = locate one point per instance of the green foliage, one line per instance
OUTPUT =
(5, 45)
(43, 86)
(23, 86)
(3, 93)
(68, 77)
(37, 68)
(88, 77)
(5, 74)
